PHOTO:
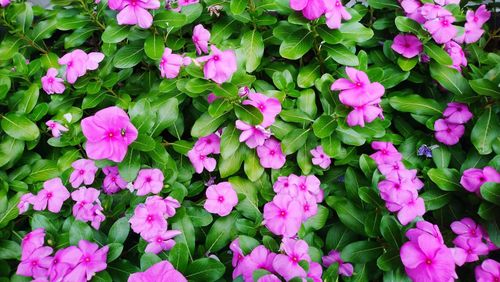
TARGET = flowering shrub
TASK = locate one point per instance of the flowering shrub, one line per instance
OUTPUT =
(249, 140)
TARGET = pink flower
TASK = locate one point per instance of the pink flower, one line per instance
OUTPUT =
(162, 271)
(134, 12)
(467, 228)
(441, 29)
(472, 246)
(201, 36)
(113, 182)
(87, 206)
(76, 64)
(270, 154)
(92, 261)
(309, 206)
(414, 206)
(358, 91)
(208, 145)
(187, 2)
(335, 13)
(407, 45)
(94, 58)
(333, 256)
(237, 252)
(309, 184)
(311, 9)
(211, 98)
(220, 65)
(259, 258)
(269, 107)
(64, 261)
(283, 216)
(287, 265)
(149, 181)
(457, 56)
(201, 161)
(170, 64)
(52, 84)
(170, 205)
(488, 271)
(320, 158)
(447, 2)
(56, 128)
(25, 201)
(148, 218)
(161, 241)
(424, 227)
(473, 178)
(315, 272)
(221, 199)
(431, 11)
(284, 186)
(386, 153)
(31, 242)
(269, 278)
(448, 133)
(52, 196)
(4, 3)
(393, 170)
(252, 135)
(457, 113)
(471, 34)
(109, 133)
(35, 264)
(115, 4)
(479, 17)
(84, 172)
(364, 114)
(410, 6)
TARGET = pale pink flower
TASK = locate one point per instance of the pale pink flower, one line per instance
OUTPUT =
(283, 215)
(309, 206)
(488, 271)
(149, 219)
(269, 107)
(149, 181)
(162, 271)
(457, 113)
(171, 205)
(335, 12)
(219, 65)
(170, 64)
(76, 64)
(457, 55)
(414, 207)
(287, 265)
(431, 11)
(221, 199)
(52, 196)
(83, 172)
(283, 185)
(407, 45)
(35, 264)
(201, 36)
(311, 9)
(25, 201)
(306, 184)
(270, 154)
(333, 256)
(410, 6)
(201, 161)
(473, 178)
(424, 227)
(209, 144)
(113, 182)
(446, 2)
(471, 34)
(448, 133)
(386, 153)
(56, 128)
(252, 135)
(320, 158)
(51, 83)
(109, 133)
(84, 198)
(92, 260)
(135, 12)
(364, 114)
(269, 278)
(441, 29)
(393, 170)
(161, 241)
(31, 242)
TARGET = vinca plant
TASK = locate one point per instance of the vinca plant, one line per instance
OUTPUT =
(249, 140)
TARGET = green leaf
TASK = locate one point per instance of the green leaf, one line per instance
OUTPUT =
(249, 114)
(179, 257)
(128, 56)
(205, 270)
(10, 149)
(18, 126)
(348, 213)
(118, 232)
(294, 140)
(491, 192)
(150, 259)
(389, 260)
(326, 34)
(229, 141)
(447, 179)
(416, 104)
(198, 85)
(153, 46)
(238, 6)
(79, 230)
(324, 126)
(206, 125)
(381, 4)
(249, 207)
(252, 166)
(115, 250)
(485, 131)
(485, 87)
(167, 112)
(231, 165)
(308, 75)
(438, 54)
(129, 167)
(354, 31)
(296, 44)
(182, 222)
(405, 24)
(253, 47)
(407, 64)
(43, 170)
(435, 199)
(115, 33)
(78, 37)
(441, 157)
(391, 231)
(10, 250)
(451, 79)
(143, 143)
(167, 18)
(362, 251)
(219, 236)
(340, 54)
(29, 99)
(349, 136)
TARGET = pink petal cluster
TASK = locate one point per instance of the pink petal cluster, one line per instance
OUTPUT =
(425, 256)
(200, 38)
(87, 207)
(78, 62)
(150, 221)
(170, 64)
(473, 27)
(472, 241)
(270, 154)
(112, 182)
(109, 133)
(449, 130)
(83, 172)
(400, 188)
(488, 271)
(334, 11)
(134, 12)
(221, 199)
(252, 135)
(51, 83)
(320, 158)
(407, 45)
(296, 201)
(345, 269)
(360, 94)
(219, 65)
(162, 271)
(473, 178)
(457, 55)
(199, 154)
(149, 181)
(268, 106)
(4, 3)
(56, 128)
(72, 263)
(51, 197)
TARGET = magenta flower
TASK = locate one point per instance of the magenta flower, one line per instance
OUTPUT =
(283, 215)
(457, 55)
(84, 198)
(306, 184)
(472, 28)
(76, 64)
(92, 260)
(333, 256)
(64, 261)
(357, 91)
(335, 13)
(211, 98)
(219, 65)
(4, 3)
(51, 83)
(237, 252)
(386, 153)
(320, 158)
(309, 206)
(161, 241)
(364, 114)
(56, 128)
(413, 207)
(311, 9)
(31, 242)
(488, 271)
(467, 228)
(208, 144)
(424, 227)
(448, 133)
(149, 181)
(269, 278)
(52, 196)
(170, 64)
(201, 36)
(473, 178)
(187, 2)
(410, 6)
(269, 107)
(149, 219)
(284, 186)
(84, 172)
(25, 201)
(441, 29)
(479, 17)
(287, 265)
(393, 170)
(407, 45)
(221, 199)
(252, 135)
(170, 205)
(113, 182)
(115, 4)
(201, 161)
(35, 264)
(134, 12)
(163, 269)
(270, 154)
(431, 11)
(473, 247)
(457, 113)
(109, 133)
(259, 258)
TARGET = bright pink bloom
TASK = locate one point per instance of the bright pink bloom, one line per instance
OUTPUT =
(284, 186)
(208, 145)
(283, 216)
(113, 182)
(162, 271)
(441, 29)
(457, 56)
(64, 261)
(364, 114)
(311, 9)
(320, 158)
(488, 271)
(287, 265)
(315, 272)
(52, 84)
(149, 181)
(270, 154)
(35, 264)
(335, 12)
(237, 252)
(413, 208)
(109, 133)
(161, 241)
(269, 278)
(252, 135)
(149, 219)
(76, 64)
(221, 199)
(84, 172)
(170, 205)
(259, 258)
(457, 113)
(473, 247)
(431, 11)
(309, 206)
(187, 2)
(134, 12)
(333, 256)
(31, 242)
(407, 45)
(211, 98)
(393, 170)
(473, 178)
(478, 17)
(170, 64)
(467, 228)
(410, 6)
(448, 133)
(386, 153)
(84, 198)
(471, 34)
(201, 161)
(424, 227)
(201, 36)
(52, 196)
(92, 261)
(358, 90)
(309, 184)
(269, 107)
(115, 4)
(219, 65)
(25, 201)
(56, 128)
(4, 3)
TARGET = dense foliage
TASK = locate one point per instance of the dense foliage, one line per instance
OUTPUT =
(249, 140)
